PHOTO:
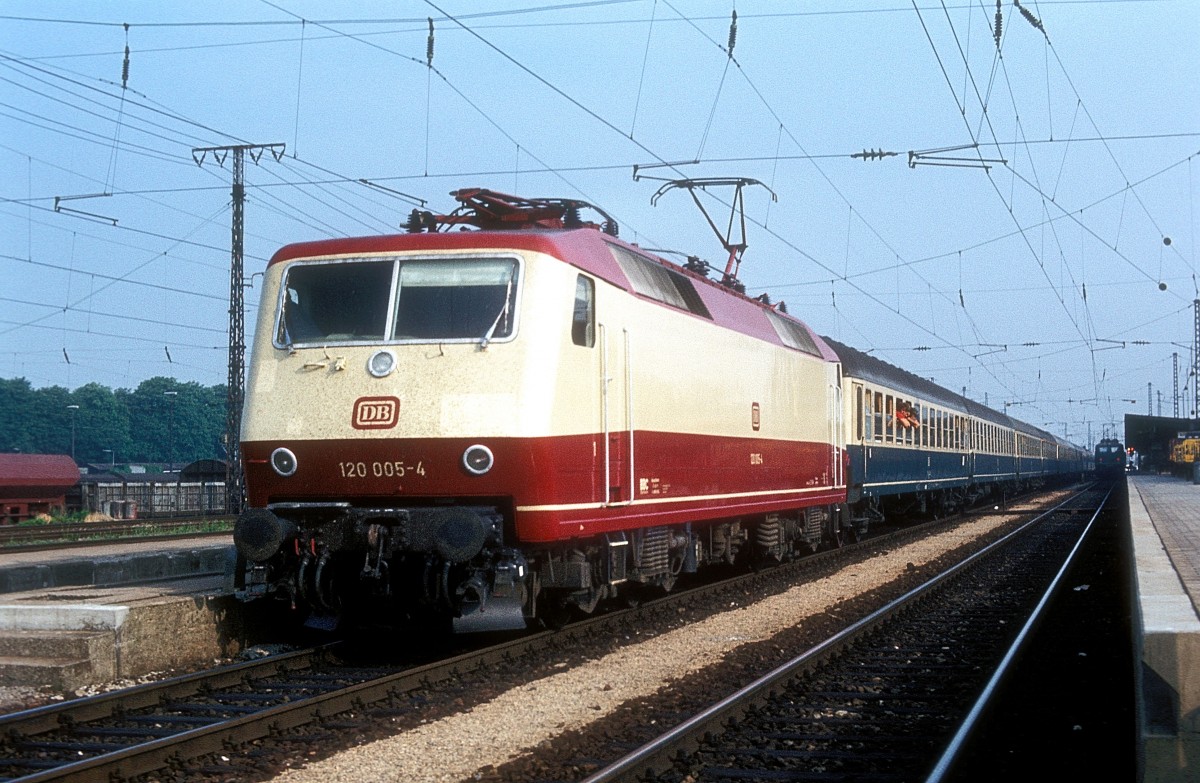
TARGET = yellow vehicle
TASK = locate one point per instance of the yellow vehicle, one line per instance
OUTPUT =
(1185, 451)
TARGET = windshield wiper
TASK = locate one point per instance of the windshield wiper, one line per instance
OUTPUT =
(487, 337)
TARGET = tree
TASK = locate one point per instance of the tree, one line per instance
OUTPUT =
(102, 425)
(162, 420)
(16, 407)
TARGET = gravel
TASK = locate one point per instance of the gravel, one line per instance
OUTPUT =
(516, 723)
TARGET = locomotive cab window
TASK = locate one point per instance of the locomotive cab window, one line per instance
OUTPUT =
(358, 301)
(335, 302)
(460, 299)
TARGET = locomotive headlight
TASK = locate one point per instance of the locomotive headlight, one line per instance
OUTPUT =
(381, 363)
(284, 461)
(478, 459)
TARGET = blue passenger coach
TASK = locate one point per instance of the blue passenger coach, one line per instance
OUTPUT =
(908, 439)
(917, 448)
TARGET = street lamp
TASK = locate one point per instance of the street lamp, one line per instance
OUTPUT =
(171, 431)
(72, 409)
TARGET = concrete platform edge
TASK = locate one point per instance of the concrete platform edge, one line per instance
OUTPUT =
(62, 617)
(1169, 648)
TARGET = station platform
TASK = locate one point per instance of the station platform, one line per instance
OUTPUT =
(1164, 515)
(86, 615)
(121, 562)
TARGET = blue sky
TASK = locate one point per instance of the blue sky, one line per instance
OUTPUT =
(1043, 281)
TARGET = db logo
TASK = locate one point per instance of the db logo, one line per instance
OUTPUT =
(375, 413)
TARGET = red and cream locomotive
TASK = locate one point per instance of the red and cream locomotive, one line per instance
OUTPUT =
(488, 424)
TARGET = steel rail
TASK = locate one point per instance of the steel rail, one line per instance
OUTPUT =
(958, 742)
(656, 753)
(220, 735)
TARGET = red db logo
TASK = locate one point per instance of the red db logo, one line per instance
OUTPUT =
(375, 413)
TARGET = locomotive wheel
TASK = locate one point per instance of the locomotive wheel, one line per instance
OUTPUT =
(554, 613)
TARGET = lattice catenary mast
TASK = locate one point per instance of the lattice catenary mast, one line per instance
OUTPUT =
(1196, 360)
(235, 393)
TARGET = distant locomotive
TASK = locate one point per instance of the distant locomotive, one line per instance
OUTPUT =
(492, 425)
(1110, 458)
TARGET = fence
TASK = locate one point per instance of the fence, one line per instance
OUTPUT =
(130, 500)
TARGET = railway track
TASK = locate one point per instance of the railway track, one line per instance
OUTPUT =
(33, 538)
(158, 726)
(895, 696)
(162, 726)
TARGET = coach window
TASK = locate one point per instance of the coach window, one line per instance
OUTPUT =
(878, 415)
(861, 416)
(583, 318)
(889, 407)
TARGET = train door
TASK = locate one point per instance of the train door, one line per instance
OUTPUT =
(836, 433)
(616, 379)
(859, 440)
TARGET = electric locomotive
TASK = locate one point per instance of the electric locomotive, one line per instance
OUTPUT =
(1110, 458)
(519, 419)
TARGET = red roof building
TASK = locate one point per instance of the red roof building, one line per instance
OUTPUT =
(32, 484)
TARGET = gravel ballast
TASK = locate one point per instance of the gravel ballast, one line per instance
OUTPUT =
(516, 723)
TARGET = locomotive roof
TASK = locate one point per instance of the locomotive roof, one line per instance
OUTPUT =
(584, 248)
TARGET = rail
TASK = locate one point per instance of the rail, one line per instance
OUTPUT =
(701, 735)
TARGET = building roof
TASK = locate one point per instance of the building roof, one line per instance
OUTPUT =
(38, 470)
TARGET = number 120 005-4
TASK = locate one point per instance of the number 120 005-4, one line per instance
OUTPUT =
(394, 469)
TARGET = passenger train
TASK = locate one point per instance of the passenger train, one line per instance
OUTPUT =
(529, 415)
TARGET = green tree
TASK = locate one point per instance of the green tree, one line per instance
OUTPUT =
(16, 415)
(102, 424)
(162, 420)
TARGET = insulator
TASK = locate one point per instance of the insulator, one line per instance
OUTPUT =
(125, 68)
(764, 298)
(783, 307)
(999, 23)
(732, 33)
(429, 45)
(571, 217)
(416, 222)
(1029, 17)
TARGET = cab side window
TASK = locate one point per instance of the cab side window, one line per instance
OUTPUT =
(583, 317)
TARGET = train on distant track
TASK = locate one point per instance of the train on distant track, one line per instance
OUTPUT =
(527, 416)
(1110, 459)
